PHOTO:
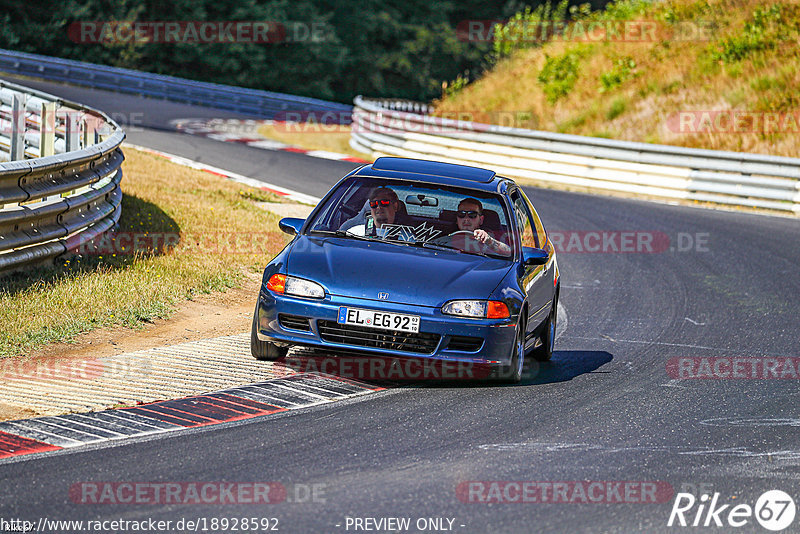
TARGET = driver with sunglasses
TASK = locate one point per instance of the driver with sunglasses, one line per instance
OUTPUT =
(383, 203)
(469, 218)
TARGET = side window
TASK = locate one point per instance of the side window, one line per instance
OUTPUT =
(541, 236)
(524, 221)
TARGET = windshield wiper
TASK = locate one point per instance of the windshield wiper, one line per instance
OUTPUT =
(440, 246)
(435, 246)
(339, 233)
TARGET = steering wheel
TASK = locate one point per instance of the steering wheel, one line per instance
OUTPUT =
(460, 234)
(465, 233)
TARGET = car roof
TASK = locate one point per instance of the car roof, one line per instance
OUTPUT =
(433, 172)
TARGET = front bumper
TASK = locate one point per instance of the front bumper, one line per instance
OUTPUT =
(498, 335)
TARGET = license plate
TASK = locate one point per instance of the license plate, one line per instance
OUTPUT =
(378, 319)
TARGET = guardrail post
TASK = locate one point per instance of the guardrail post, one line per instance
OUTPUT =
(73, 134)
(17, 151)
(47, 129)
(89, 135)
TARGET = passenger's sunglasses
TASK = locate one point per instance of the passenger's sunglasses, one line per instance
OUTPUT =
(376, 203)
(472, 214)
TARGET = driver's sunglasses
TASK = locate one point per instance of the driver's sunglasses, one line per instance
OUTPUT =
(381, 202)
(462, 213)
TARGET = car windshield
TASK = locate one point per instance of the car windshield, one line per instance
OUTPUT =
(418, 214)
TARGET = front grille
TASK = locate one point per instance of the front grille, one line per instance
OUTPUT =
(464, 343)
(423, 343)
(294, 322)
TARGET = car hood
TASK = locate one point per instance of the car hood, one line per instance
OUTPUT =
(410, 275)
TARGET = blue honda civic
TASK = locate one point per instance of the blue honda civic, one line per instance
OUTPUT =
(415, 259)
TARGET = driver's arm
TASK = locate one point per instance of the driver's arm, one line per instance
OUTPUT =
(498, 246)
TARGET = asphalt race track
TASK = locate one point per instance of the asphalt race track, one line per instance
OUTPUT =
(607, 408)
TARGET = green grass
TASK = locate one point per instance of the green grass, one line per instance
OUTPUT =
(617, 108)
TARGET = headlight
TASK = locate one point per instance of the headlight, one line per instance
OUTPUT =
(466, 308)
(478, 309)
(290, 285)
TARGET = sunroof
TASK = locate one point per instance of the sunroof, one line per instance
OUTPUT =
(434, 168)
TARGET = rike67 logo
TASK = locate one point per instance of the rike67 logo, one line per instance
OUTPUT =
(774, 510)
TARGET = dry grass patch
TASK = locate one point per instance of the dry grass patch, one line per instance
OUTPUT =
(313, 136)
(215, 233)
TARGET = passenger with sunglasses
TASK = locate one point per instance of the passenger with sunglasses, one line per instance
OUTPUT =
(469, 218)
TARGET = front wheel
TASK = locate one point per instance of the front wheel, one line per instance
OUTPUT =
(512, 373)
(544, 352)
(264, 350)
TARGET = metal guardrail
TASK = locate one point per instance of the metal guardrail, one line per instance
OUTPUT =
(59, 175)
(397, 128)
(261, 104)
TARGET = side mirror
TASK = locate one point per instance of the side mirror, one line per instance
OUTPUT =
(534, 256)
(291, 225)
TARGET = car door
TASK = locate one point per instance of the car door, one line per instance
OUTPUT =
(551, 268)
(535, 280)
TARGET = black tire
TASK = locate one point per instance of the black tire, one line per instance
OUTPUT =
(544, 352)
(512, 373)
(264, 350)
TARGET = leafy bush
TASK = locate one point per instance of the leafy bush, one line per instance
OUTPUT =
(528, 28)
(559, 74)
(623, 70)
(456, 86)
(767, 26)
(685, 11)
(623, 9)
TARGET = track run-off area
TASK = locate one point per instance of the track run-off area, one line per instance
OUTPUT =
(677, 373)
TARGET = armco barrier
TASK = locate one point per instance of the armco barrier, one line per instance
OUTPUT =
(59, 176)
(260, 104)
(384, 127)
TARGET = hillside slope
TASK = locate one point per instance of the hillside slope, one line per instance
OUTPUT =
(698, 73)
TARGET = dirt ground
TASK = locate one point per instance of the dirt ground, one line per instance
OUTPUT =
(10, 413)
